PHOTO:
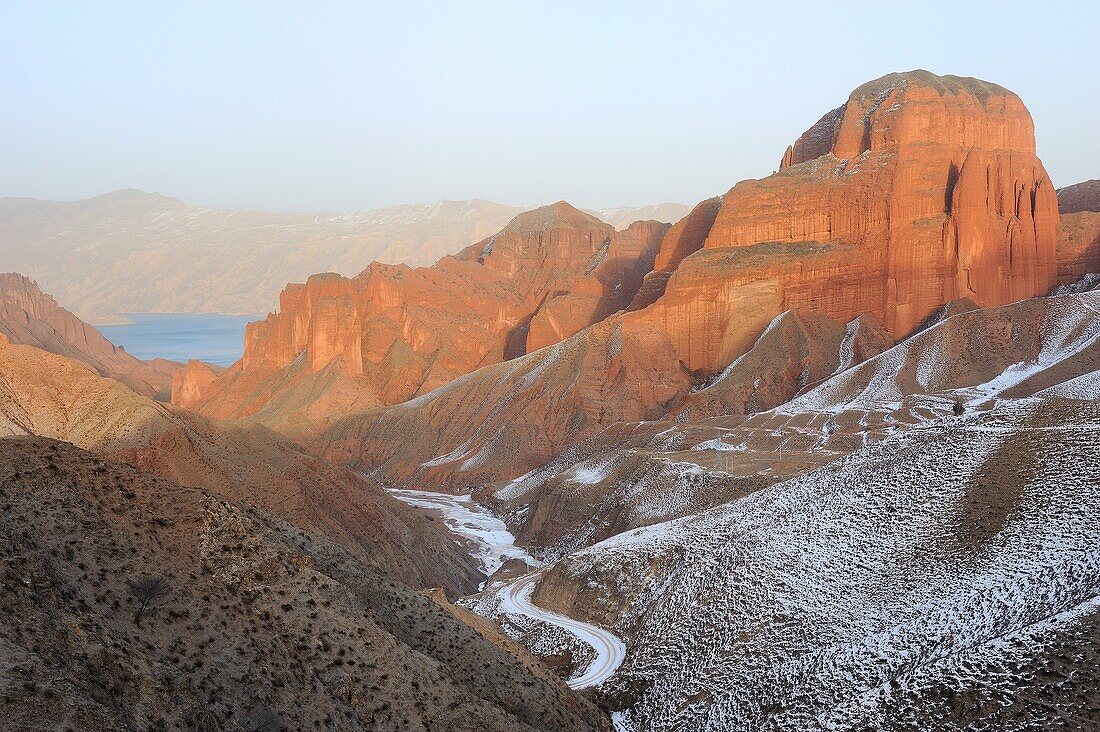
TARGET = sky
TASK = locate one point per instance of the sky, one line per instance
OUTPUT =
(325, 106)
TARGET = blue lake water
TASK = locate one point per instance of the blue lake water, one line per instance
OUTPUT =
(179, 336)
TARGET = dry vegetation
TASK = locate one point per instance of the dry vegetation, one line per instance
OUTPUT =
(130, 602)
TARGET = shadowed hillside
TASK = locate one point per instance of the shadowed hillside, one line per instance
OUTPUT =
(131, 602)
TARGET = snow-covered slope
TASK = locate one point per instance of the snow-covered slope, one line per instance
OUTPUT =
(947, 577)
(638, 474)
(912, 543)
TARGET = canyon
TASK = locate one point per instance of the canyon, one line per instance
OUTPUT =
(867, 241)
(259, 585)
(818, 453)
(918, 191)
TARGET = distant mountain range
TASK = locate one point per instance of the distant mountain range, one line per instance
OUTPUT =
(131, 251)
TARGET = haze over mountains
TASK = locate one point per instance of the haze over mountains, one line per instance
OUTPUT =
(821, 454)
(136, 252)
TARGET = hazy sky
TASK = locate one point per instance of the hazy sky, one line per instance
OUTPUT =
(328, 106)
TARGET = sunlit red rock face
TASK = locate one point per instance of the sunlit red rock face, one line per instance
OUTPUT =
(1079, 231)
(30, 317)
(604, 385)
(919, 191)
(607, 286)
(189, 382)
(507, 418)
(393, 332)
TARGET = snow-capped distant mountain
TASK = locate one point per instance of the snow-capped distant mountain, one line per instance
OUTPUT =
(623, 217)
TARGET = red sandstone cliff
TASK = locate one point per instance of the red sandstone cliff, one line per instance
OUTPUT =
(30, 317)
(393, 332)
(917, 191)
(189, 382)
(607, 286)
(684, 238)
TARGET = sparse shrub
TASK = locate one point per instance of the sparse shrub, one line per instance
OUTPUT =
(146, 591)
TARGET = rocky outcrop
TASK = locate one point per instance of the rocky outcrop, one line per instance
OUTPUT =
(192, 380)
(917, 191)
(684, 238)
(31, 317)
(607, 287)
(394, 332)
